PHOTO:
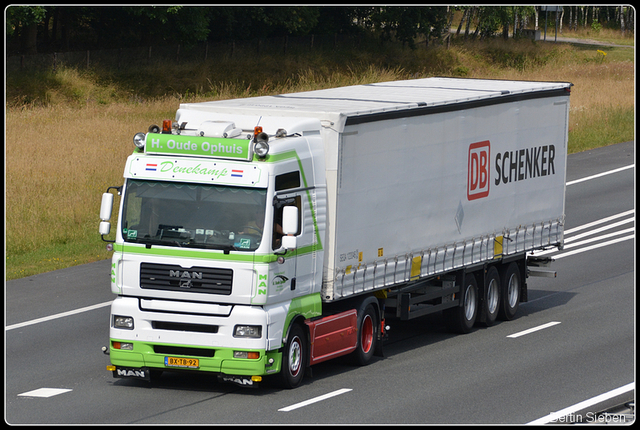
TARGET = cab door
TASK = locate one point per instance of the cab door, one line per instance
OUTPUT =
(299, 265)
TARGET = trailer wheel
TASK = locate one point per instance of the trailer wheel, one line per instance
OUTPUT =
(367, 335)
(294, 358)
(491, 304)
(461, 319)
(510, 292)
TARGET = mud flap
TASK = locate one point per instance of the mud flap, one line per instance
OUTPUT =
(130, 372)
(242, 381)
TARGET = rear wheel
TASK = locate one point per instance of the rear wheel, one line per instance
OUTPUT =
(294, 358)
(462, 318)
(367, 335)
(510, 292)
(491, 304)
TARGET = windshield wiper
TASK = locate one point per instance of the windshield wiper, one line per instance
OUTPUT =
(147, 241)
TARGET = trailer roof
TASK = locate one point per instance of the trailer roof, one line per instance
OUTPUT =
(370, 102)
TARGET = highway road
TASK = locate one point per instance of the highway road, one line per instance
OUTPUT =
(570, 349)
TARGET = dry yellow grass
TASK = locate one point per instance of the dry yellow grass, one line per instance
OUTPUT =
(60, 158)
(58, 161)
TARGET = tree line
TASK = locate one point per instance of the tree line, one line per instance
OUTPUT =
(43, 29)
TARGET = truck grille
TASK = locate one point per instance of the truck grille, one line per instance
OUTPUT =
(194, 279)
(180, 350)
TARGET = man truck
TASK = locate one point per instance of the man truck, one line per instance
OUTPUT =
(261, 236)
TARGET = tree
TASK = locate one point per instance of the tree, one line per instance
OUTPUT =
(23, 21)
(406, 23)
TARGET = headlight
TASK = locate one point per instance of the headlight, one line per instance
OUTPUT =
(138, 140)
(261, 148)
(252, 331)
(123, 322)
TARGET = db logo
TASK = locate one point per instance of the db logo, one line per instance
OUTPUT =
(478, 173)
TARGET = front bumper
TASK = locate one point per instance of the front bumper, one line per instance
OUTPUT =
(143, 358)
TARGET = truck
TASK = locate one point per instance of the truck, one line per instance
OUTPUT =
(257, 237)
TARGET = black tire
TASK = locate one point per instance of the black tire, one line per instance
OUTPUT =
(294, 358)
(461, 319)
(368, 327)
(510, 292)
(492, 296)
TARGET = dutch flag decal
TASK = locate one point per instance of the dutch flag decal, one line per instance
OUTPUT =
(152, 167)
(237, 173)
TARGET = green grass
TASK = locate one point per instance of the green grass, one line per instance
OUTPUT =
(68, 133)
(612, 125)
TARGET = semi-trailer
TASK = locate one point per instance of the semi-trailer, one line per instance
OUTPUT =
(260, 236)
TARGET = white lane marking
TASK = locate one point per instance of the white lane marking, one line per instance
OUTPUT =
(569, 240)
(600, 221)
(597, 238)
(315, 399)
(601, 174)
(593, 239)
(531, 330)
(589, 248)
(45, 392)
(599, 230)
(584, 404)
(56, 316)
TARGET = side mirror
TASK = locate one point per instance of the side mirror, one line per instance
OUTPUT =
(105, 228)
(105, 213)
(289, 227)
(106, 206)
(290, 220)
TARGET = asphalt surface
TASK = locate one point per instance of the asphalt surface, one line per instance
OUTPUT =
(578, 344)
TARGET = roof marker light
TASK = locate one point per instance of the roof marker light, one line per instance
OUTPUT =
(260, 139)
(166, 126)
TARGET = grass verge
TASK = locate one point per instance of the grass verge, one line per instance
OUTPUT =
(68, 133)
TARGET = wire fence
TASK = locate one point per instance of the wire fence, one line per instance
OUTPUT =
(153, 55)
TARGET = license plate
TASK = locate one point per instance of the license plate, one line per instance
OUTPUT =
(192, 363)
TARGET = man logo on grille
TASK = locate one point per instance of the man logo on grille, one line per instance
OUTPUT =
(185, 277)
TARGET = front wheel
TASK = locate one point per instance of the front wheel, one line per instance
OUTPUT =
(294, 358)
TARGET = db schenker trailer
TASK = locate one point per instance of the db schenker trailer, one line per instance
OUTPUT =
(261, 236)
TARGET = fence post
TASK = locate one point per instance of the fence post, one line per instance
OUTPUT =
(55, 61)
(88, 58)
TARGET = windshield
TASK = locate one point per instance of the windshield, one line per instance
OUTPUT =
(193, 215)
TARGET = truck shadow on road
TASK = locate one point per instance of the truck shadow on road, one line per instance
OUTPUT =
(404, 336)
(424, 332)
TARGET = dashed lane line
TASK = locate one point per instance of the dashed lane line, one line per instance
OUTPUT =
(534, 329)
(315, 400)
(56, 316)
(45, 392)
